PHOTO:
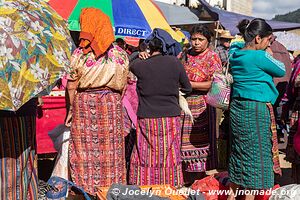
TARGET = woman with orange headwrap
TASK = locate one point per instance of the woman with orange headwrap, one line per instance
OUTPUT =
(97, 77)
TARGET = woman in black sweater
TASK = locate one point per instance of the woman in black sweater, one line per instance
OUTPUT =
(156, 156)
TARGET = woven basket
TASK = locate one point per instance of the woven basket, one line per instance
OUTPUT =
(219, 94)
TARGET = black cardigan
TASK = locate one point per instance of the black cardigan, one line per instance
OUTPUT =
(159, 80)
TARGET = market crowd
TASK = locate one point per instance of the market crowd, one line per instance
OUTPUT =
(125, 111)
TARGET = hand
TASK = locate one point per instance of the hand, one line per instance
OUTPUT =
(40, 102)
(68, 120)
(210, 83)
(269, 50)
(292, 122)
(179, 56)
(144, 55)
(130, 81)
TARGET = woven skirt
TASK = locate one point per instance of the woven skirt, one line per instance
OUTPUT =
(18, 164)
(251, 158)
(198, 149)
(97, 152)
(156, 155)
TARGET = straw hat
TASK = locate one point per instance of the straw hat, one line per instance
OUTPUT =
(296, 53)
(224, 34)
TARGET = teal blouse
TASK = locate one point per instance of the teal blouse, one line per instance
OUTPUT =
(253, 72)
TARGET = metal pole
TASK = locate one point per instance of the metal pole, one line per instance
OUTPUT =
(217, 33)
(187, 3)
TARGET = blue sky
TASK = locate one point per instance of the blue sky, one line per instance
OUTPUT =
(267, 9)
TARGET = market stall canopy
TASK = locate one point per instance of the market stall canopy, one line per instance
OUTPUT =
(179, 15)
(229, 19)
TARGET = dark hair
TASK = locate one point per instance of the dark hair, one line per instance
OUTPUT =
(250, 29)
(120, 40)
(203, 30)
(142, 45)
(155, 45)
(75, 37)
(242, 25)
(141, 41)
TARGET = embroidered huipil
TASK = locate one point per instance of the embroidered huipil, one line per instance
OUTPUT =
(201, 67)
(108, 71)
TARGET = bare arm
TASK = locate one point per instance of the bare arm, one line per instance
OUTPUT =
(201, 86)
(40, 101)
(71, 89)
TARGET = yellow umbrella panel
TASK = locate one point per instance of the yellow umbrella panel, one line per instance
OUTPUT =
(35, 48)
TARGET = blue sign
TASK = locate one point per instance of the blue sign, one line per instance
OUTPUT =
(133, 32)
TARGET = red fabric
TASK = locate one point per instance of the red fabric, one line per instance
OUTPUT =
(280, 53)
(210, 183)
(52, 114)
(132, 41)
(63, 8)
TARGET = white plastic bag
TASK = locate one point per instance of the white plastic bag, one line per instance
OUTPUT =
(287, 192)
(60, 136)
(185, 106)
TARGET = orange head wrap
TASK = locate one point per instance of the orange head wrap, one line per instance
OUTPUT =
(96, 31)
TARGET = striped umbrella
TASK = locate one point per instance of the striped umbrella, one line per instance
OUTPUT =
(131, 18)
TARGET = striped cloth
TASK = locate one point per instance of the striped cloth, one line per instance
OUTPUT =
(97, 152)
(251, 160)
(275, 150)
(156, 156)
(18, 164)
(198, 149)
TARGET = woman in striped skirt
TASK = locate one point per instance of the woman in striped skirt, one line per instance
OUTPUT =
(199, 137)
(156, 156)
(18, 163)
(254, 150)
(98, 75)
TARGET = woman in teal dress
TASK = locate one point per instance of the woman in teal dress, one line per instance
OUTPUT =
(254, 149)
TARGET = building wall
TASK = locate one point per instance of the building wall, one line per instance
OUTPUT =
(193, 3)
(237, 6)
(216, 3)
(240, 6)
